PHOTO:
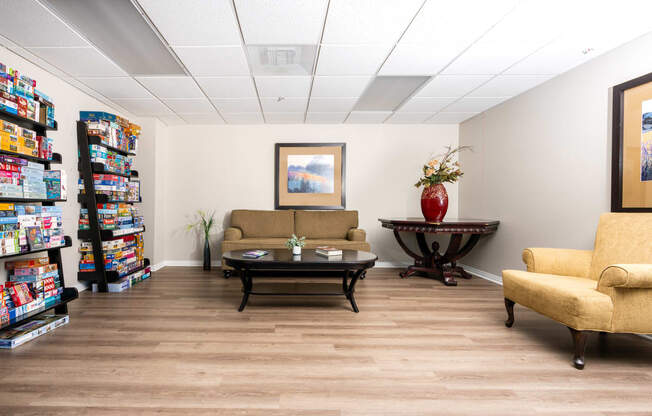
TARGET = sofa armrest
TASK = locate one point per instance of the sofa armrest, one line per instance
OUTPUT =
(627, 275)
(558, 261)
(356, 234)
(232, 233)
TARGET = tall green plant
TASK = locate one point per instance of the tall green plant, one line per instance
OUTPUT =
(204, 223)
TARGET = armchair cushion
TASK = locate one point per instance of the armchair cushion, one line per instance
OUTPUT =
(356, 234)
(627, 276)
(232, 234)
(573, 301)
(558, 261)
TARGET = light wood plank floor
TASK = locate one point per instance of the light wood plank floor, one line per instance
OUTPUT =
(176, 345)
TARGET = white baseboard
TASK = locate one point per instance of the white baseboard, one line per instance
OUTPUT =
(157, 266)
(483, 275)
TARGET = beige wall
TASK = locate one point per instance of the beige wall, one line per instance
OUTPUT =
(542, 160)
(68, 101)
(227, 167)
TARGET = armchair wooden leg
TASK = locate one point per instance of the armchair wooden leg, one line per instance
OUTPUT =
(579, 342)
(509, 305)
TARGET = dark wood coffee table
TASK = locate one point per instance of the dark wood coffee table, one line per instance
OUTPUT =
(281, 263)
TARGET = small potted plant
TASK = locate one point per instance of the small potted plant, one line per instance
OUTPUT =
(294, 243)
(205, 224)
(438, 170)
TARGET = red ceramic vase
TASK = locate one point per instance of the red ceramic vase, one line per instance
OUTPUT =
(434, 202)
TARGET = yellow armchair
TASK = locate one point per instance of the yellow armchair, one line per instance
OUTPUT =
(607, 289)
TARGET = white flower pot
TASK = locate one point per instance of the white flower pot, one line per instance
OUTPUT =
(296, 250)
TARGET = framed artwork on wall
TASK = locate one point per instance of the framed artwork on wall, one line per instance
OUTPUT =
(631, 169)
(310, 175)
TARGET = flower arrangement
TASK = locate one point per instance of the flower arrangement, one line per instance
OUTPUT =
(441, 168)
(294, 241)
(205, 222)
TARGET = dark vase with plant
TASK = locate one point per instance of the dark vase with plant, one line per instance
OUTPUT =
(438, 170)
(204, 224)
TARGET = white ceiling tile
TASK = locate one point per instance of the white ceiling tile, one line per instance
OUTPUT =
(421, 59)
(408, 118)
(243, 118)
(283, 86)
(509, 85)
(144, 106)
(213, 60)
(189, 105)
(236, 105)
(440, 32)
(227, 87)
(368, 21)
(116, 87)
(79, 62)
(173, 120)
(292, 105)
(425, 104)
(266, 22)
(332, 104)
(449, 118)
(364, 117)
(452, 85)
(210, 118)
(31, 25)
(284, 118)
(171, 87)
(529, 27)
(195, 22)
(461, 22)
(338, 86)
(325, 118)
(351, 60)
(474, 104)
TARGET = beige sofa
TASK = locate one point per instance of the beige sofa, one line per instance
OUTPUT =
(253, 229)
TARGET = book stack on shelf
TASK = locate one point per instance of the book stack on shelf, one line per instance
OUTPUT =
(112, 257)
(19, 97)
(29, 220)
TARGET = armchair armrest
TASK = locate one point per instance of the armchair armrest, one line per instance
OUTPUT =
(558, 261)
(356, 234)
(232, 233)
(627, 276)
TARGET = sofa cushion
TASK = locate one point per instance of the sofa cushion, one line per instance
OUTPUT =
(255, 224)
(573, 301)
(622, 238)
(267, 243)
(324, 224)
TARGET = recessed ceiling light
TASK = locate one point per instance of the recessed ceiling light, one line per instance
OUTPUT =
(119, 30)
(387, 93)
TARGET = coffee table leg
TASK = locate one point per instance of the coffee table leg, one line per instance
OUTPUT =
(345, 288)
(246, 288)
(350, 292)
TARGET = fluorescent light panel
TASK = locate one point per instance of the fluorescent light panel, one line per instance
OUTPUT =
(117, 28)
(387, 93)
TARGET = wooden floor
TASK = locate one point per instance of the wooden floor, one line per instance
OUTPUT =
(176, 345)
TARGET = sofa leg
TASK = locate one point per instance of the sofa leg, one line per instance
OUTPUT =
(579, 343)
(227, 273)
(509, 305)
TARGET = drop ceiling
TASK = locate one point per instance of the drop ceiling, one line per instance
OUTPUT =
(317, 61)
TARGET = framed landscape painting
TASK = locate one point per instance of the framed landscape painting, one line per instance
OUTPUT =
(631, 173)
(310, 175)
